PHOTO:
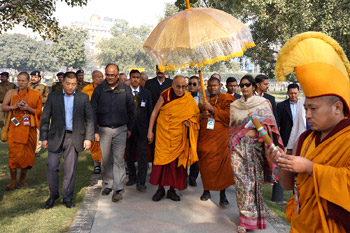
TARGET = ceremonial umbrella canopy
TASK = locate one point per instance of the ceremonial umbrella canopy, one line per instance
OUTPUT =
(196, 37)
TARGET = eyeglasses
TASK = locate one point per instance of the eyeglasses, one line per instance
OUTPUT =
(241, 85)
(192, 84)
(111, 75)
(181, 87)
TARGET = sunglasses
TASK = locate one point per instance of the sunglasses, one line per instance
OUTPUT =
(241, 85)
(192, 84)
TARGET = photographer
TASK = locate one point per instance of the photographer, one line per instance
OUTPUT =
(26, 107)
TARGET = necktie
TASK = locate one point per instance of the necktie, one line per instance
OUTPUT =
(136, 99)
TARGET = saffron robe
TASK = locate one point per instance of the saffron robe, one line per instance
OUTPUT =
(21, 138)
(324, 198)
(95, 149)
(174, 149)
(213, 147)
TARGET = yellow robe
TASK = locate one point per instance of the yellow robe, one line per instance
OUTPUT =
(95, 149)
(330, 182)
(171, 133)
(22, 139)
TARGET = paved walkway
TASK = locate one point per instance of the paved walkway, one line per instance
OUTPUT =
(138, 213)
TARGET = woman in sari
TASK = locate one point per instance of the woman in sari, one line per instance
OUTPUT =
(248, 153)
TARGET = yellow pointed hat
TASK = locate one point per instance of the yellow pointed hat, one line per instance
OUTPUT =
(320, 64)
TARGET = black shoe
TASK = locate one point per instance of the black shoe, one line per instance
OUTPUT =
(130, 182)
(223, 201)
(192, 182)
(141, 187)
(50, 202)
(97, 169)
(159, 195)
(37, 155)
(205, 196)
(106, 191)
(171, 194)
(117, 196)
(69, 204)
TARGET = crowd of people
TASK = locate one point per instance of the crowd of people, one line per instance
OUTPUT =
(184, 131)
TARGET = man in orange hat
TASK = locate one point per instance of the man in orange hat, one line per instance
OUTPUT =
(320, 163)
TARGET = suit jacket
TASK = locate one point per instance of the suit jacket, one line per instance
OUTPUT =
(153, 86)
(142, 113)
(53, 124)
(273, 103)
(237, 96)
(285, 120)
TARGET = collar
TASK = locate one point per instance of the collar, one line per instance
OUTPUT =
(35, 84)
(290, 102)
(160, 81)
(120, 88)
(137, 89)
(64, 93)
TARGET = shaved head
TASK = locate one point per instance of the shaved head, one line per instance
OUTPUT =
(179, 85)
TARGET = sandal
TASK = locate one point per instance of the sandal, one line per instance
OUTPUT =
(241, 229)
(11, 186)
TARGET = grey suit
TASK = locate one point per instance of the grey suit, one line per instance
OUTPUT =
(61, 141)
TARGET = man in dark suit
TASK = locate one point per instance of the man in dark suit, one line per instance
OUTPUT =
(231, 86)
(156, 86)
(286, 112)
(262, 84)
(142, 113)
(66, 128)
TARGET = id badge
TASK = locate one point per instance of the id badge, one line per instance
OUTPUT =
(143, 104)
(26, 120)
(211, 123)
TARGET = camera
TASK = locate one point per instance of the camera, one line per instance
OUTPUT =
(22, 103)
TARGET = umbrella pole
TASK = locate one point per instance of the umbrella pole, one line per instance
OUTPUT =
(202, 85)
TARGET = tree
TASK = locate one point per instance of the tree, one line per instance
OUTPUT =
(21, 52)
(125, 48)
(274, 22)
(70, 48)
(34, 14)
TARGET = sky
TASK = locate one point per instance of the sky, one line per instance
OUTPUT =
(136, 12)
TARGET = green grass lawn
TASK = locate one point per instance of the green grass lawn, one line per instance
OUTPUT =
(22, 210)
(278, 208)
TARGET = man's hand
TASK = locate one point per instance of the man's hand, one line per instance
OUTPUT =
(150, 137)
(44, 144)
(128, 133)
(295, 164)
(208, 106)
(274, 155)
(97, 137)
(187, 123)
(87, 144)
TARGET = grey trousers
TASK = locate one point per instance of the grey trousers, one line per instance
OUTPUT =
(70, 156)
(112, 143)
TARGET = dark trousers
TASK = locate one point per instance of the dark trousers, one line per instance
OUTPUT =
(141, 142)
(194, 171)
(70, 156)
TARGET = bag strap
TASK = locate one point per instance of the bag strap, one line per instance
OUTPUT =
(8, 114)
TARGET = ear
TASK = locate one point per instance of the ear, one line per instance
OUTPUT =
(338, 107)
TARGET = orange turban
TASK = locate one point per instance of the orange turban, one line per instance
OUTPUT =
(320, 64)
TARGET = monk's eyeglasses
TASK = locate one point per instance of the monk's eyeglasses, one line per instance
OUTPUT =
(181, 87)
(241, 85)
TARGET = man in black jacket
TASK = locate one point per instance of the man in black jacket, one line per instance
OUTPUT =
(113, 107)
(262, 84)
(66, 128)
(138, 139)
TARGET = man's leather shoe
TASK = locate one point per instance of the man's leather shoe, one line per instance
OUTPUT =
(159, 195)
(106, 191)
(117, 196)
(97, 169)
(206, 195)
(69, 204)
(50, 202)
(141, 187)
(130, 182)
(192, 182)
(171, 194)
(223, 201)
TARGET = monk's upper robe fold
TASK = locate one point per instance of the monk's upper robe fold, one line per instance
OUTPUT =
(173, 139)
(22, 139)
(330, 183)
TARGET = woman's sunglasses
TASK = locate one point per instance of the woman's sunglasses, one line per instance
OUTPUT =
(244, 84)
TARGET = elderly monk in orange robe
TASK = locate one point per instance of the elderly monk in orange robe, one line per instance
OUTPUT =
(95, 150)
(26, 108)
(321, 162)
(176, 142)
(214, 161)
